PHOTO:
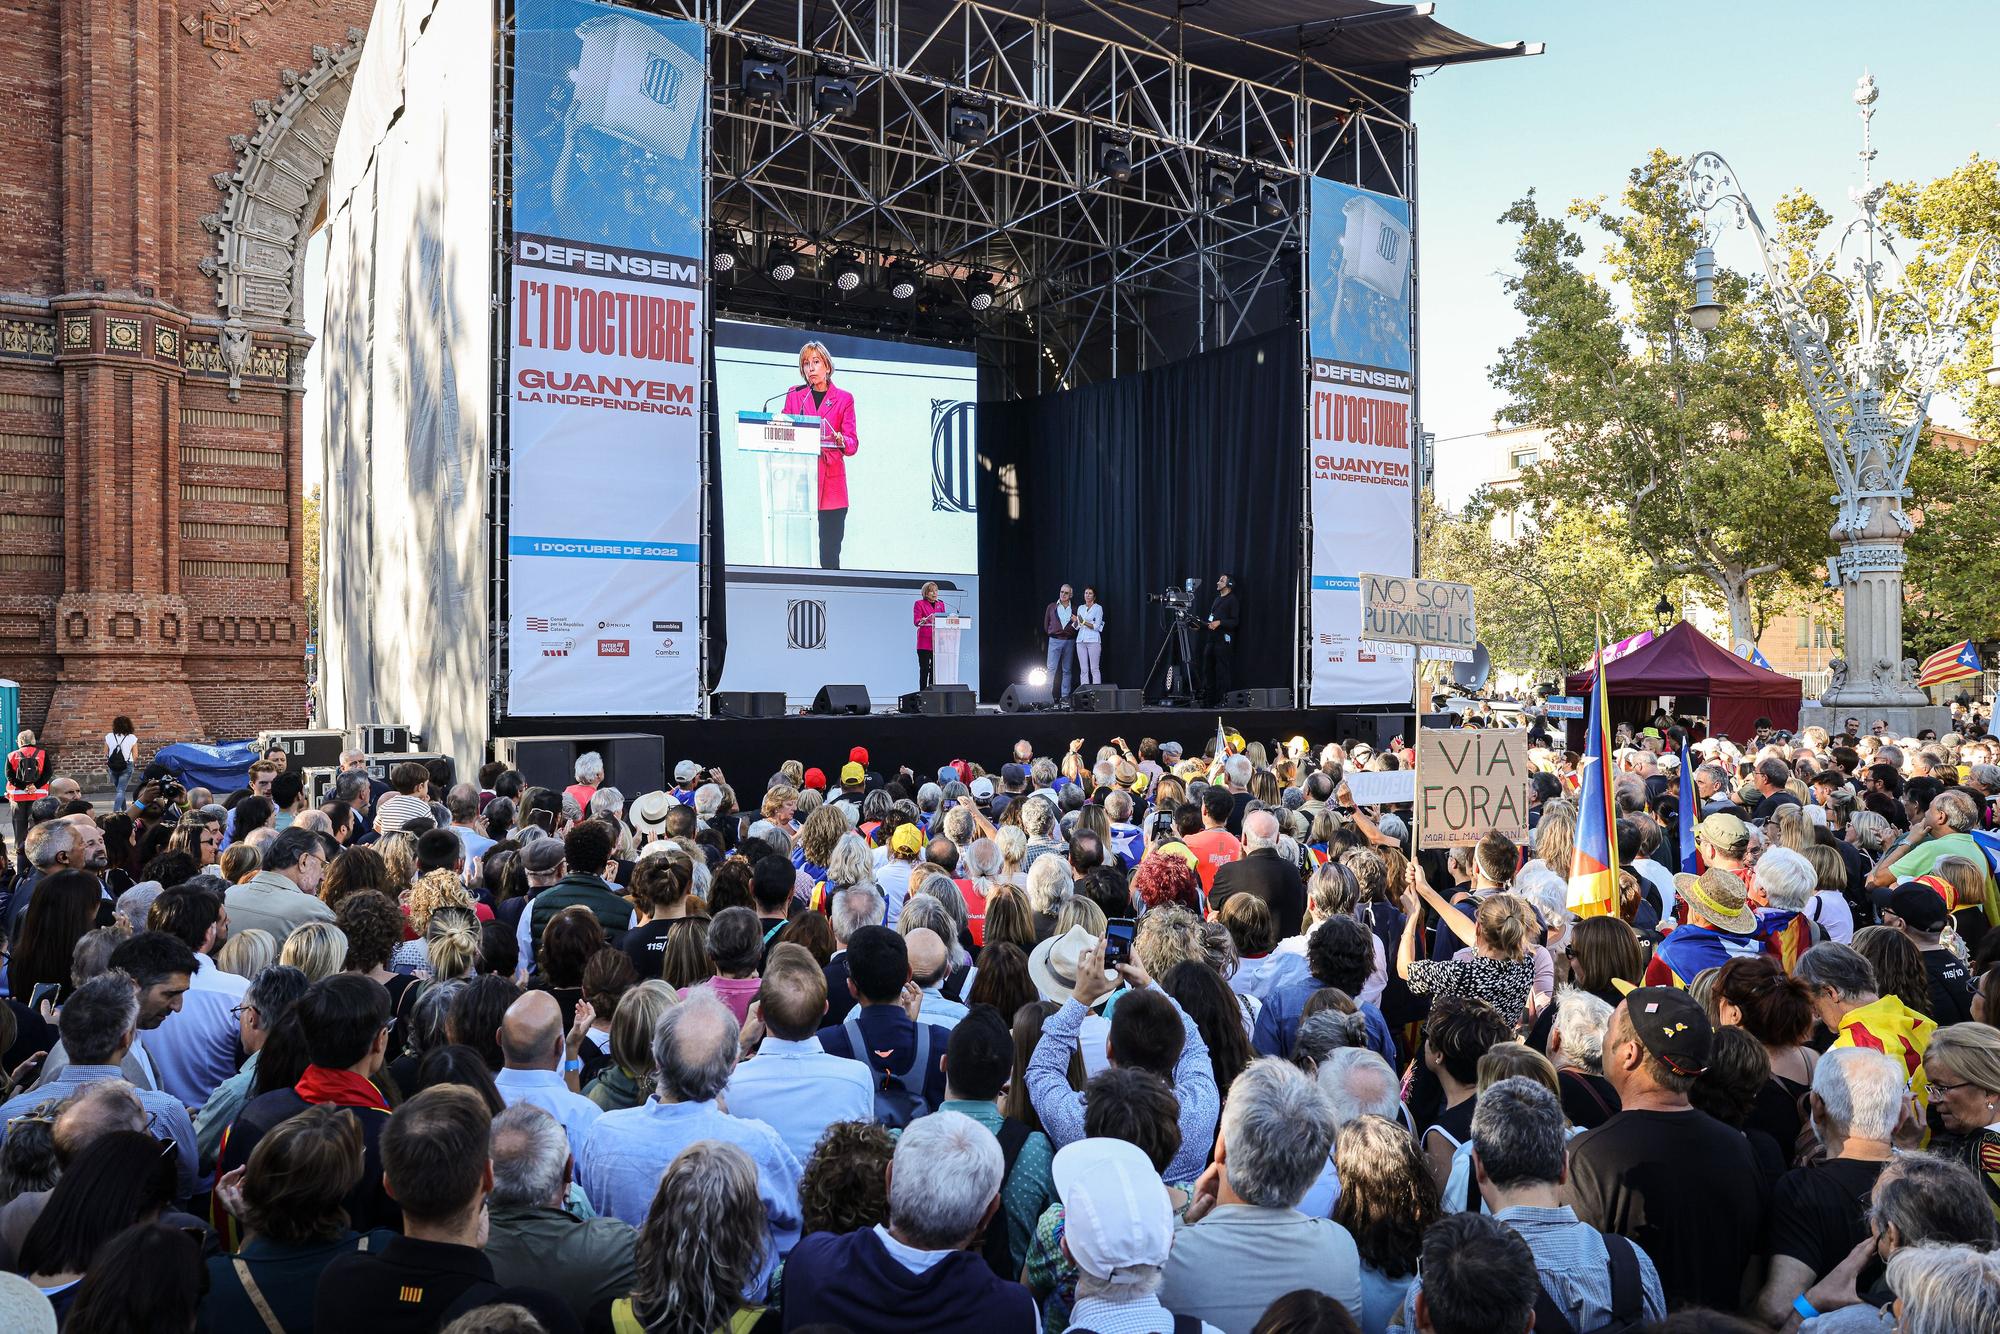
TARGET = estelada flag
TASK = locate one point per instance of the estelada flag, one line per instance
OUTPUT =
(1593, 867)
(1954, 662)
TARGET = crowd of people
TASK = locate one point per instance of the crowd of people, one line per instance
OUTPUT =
(1132, 1040)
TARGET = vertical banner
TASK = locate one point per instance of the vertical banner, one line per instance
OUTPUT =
(1363, 466)
(605, 292)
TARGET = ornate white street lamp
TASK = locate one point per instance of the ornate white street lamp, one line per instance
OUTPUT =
(1869, 402)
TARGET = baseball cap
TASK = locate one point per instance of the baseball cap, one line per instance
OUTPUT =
(859, 755)
(1170, 748)
(852, 774)
(1722, 830)
(982, 788)
(1672, 1026)
(1719, 896)
(1924, 903)
(947, 774)
(649, 813)
(542, 856)
(814, 778)
(685, 771)
(1013, 775)
(1116, 1214)
(907, 838)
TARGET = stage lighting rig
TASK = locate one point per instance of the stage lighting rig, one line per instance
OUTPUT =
(1270, 202)
(725, 250)
(765, 75)
(905, 278)
(781, 261)
(968, 120)
(1221, 186)
(835, 93)
(844, 271)
(979, 290)
(1114, 158)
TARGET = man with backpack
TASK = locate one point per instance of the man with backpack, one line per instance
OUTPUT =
(978, 1066)
(1590, 1280)
(27, 783)
(906, 1056)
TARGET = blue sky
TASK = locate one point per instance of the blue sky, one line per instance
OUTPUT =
(1766, 84)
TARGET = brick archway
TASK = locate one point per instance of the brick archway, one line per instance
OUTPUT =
(152, 357)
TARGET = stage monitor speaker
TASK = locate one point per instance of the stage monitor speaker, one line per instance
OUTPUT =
(841, 699)
(306, 750)
(1106, 699)
(1259, 697)
(934, 703)
(634, 762)
(747, 704)
(1023, 698)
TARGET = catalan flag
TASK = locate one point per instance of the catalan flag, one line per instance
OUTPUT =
(1954, 662)
(1593, 868)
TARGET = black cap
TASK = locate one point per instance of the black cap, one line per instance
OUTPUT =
(1672, 1026)
(1920, 906)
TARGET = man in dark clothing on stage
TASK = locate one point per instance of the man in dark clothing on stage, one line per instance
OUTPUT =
(1218, 653)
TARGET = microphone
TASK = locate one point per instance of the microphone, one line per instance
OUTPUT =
(780, 394)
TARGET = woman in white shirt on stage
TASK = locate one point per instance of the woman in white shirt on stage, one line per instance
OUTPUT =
(1090, 639)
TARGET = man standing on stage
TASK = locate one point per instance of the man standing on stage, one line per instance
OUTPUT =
(1218, 655)
(1060, 625)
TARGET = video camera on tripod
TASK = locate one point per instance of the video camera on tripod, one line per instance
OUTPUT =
(1178, 600)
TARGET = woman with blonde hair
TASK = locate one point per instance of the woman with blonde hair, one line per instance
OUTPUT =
(247, 953)
(703, 1245)
(1499, 972)
(1789, 827)
(399, 863)
(1013, 851)
(1555, 837)
(317, 949)
(627, 1079)
(437, 889)
(820, 397)
(239, 861)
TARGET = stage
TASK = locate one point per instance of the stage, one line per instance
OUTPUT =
(749, 750)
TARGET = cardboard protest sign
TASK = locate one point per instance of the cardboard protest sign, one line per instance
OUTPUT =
(1428, 612)
(1471, 782)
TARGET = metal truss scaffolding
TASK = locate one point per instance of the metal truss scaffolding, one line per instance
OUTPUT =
(1130, 184)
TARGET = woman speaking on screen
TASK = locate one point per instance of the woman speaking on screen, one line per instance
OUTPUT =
(818, 397)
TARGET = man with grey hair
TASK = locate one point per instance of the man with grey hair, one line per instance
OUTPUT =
(1770, 777)
(1249, 1244)
(1264, 875)
(461, 801)
(853, 907)
(281, 897)
(1785, 892)
(99, 1024)
(1711, 785)
(1576, 1049)
(609, 803)
(1845, 997)
(1819, 1214)
(923, 1269)
(1038, 822)
(270, 993)
(1519, 1159)
(531, 1238)
(1358, 1082)
(81, 1119)
(694, 1053)
(1944, 831)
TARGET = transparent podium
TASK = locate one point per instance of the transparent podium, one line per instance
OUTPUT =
(945, 634)
(787, 450)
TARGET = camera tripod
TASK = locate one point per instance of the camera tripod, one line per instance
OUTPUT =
(1177, 654)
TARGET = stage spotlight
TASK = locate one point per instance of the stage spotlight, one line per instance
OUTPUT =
(781, 262)
(1221, 187)
(835, 93)
(968, 120)
(765, 75)
(1039, 677)
(979, 290)
(905, 277)
(1114, 159)
(725, 251)
(844, 271)
(1269, 202)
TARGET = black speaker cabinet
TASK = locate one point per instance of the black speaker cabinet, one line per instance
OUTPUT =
(1258, 697)
(306, 750)
(841, 699)
(1106, 699)
(747, 704)
(950, 699)
(634, 762)
(1022, 697)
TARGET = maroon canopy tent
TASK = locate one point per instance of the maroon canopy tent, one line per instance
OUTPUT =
(1685, 663)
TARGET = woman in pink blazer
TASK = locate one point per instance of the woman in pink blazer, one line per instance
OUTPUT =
(818, 397)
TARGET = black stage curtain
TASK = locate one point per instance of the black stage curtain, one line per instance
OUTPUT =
(1134, 484)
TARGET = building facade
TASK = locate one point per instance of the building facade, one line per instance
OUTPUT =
(167, 166)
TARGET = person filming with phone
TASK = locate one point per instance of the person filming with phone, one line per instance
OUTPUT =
(1148, 1031)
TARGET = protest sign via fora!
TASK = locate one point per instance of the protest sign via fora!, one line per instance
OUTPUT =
(1471, 782)
(1432, 614)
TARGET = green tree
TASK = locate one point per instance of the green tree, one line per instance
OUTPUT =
(1954, 555)
(1674, 430)
(309, 540)
(1536, 596)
